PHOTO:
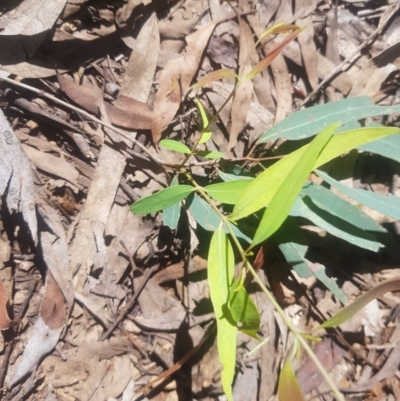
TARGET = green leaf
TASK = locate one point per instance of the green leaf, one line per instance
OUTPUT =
(175, 146)
(261, 190)
(206, 135)
(162, 199)
(288, 387)
(308, 122)
(208, 218)
(390, 205)
(221, 265)
(280, 205)
(387, 147)
(243, 310)
(330, 202)
(209, 155)
(349, 311)
(339, 228)
(232, 177)
(227, 192)
(291, 239)
(171, 214)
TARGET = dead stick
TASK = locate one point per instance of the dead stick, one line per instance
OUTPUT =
(356, 52)
(129, 305)
(177, 365)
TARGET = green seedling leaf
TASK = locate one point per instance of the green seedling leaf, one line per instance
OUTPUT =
(243, 310)
(209, 155)
(283, 200)
(282, 27)
(388, 205)
(221, 265)
(232, 177)
(288, 387)
(336, 206)
(208, 218)
(290, 240)
(206, 135)
(264, 63)
(262, 189)
(162, 199)
(387, 147)
(171, 214)
(227, 192)
(175, 146)
(214, 76)
(337, 227)
(350, 310)
(310, 121)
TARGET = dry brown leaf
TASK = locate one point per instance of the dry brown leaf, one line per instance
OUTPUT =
(5, 320)
(65, 58)
(283, 87)
(308, 49)
(183, 20)
(142, 62)
(222, 52)
(243, 94)
(176, 78)
(16, 178)
(58, 298)
(28, 27)
(53, 165)
(329, 354)
(96, 210)
(369, 80)
(132, 114)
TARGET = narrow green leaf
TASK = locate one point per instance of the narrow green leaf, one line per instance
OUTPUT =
(243, 310)
(336, 206)
(232, 177)
(261, 190)
(337, 227)
(387, 147)
(221, 265)
(227, 192)
(288, 387)
(209, 155)
(171, 214)
(208, 218)
(291, 241)
(390, 205)
(283, 200)
(349, 311)
(308, 122)
(174, 145)
(206, 135)
(161, 200)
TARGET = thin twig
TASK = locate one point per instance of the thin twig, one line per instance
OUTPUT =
(356, 52)
(177, 365)
(129, 305)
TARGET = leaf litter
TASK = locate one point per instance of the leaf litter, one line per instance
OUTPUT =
(67, 185)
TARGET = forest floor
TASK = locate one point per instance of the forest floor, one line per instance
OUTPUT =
(98, 303)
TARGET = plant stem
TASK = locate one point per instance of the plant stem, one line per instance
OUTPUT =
(212, 121)
(246, 263)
